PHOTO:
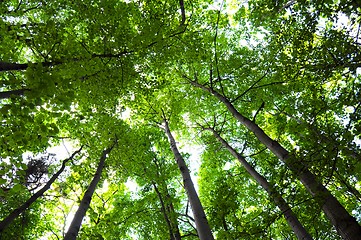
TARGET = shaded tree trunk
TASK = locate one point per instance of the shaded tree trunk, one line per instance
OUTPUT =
(345, 224)
(14, 214)
(171, 214)
(173, 217)
(353, 153)
(6, 66)
(331, 141)
(85, 202)
(167, 210)
(350, 188)
(203, 229)
(287, 212)
(8, 94)
(163, 208)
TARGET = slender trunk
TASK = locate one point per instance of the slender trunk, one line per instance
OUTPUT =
(345, 224)
(85, 202)
(289, 215)
(168, 205)
(8, 94)
(167, 210)
(325, 138)
(181, 3)
(349, 186)
(171, 214)
(5, 66)
(203, 229)
(335, 144)
(15, 213)
(165, 215)
(173, 217)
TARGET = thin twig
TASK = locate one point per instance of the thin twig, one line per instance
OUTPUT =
(250, 88)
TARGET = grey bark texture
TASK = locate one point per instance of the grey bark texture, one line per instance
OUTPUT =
(14, 214)
(287, 212)
(203, 229)
(6, 66)
(85, 202)
(167, 210)
(345, 224)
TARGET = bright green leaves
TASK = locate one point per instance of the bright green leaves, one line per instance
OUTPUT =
(17, 189)
(89, 65)
(233, 201)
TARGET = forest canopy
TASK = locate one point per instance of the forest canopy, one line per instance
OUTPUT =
(182, 119)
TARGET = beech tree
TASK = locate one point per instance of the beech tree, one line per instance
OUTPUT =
(289, 215)
(204, 231)
(345, 224)
(16, 212)
(85, 202)
(280, 82)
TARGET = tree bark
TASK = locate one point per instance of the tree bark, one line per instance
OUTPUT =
(163, 208)
(166, 210)
(203, 229)
(183, 12)
(345, 224)
(167, 204)
(173, 218)
(6, 66)
(8, 94)
(287, 212)
(85, 202)
(14, 214)
(324, 137)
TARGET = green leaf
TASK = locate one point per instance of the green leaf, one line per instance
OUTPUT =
(17, 188)
(2, 181)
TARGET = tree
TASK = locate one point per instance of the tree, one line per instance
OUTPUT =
(289, 215)
(167, 206)
(203, 229)
(16, 212)
(80, 74)
(168, 212)
(345, 224)
(85, 202)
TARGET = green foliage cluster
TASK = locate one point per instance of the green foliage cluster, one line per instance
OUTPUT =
(89, 72)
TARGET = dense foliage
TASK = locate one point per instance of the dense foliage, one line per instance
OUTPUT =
(105, 76)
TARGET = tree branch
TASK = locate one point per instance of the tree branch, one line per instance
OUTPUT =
(181, 3)
(259, 109)
(250, 88)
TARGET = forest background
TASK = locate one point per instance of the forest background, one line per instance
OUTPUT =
(269, 91)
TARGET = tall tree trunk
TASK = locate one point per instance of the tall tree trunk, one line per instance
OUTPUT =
(203, 229)
(15, 213)
(325, 138)
(289, 215)
(345, 224)
(166, 210)
(6, 66)
(172, 217)
(350, 188)
(163, 208)
(8, 94)
(85, 202)
(168, 205)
